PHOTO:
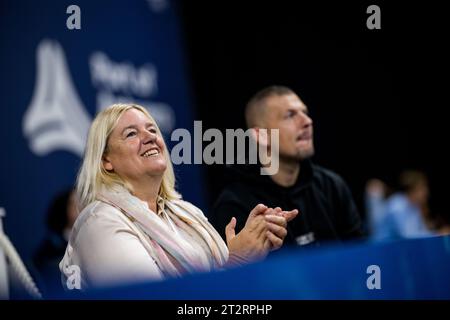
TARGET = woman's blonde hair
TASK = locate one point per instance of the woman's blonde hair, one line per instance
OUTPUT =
(93, 176)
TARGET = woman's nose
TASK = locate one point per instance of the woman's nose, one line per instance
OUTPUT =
(148, 137)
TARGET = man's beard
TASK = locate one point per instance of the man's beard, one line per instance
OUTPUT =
(306, 154)
(299, 156)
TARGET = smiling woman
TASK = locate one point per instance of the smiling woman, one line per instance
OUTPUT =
(134, 225)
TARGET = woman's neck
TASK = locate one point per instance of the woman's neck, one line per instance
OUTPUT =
(148, 191)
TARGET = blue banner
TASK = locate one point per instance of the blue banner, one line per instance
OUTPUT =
(61, 63)
(406, 269)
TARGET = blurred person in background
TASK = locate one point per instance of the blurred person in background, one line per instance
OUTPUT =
(61, 216)
(405, 213)
(376, 194)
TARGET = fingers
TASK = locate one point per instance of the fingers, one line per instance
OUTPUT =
(260, 228)
(278, 211)
(275, 242)
(230, 232)
(263, 221)
(277, 230)
(256, 221)
(256, 226)
(278, 220)
(289, 215)
(259, 209)
(267, 243)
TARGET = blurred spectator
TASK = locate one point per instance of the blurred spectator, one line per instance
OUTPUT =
(442, 225)
(376, 194)
(61, 216)
(405, 214)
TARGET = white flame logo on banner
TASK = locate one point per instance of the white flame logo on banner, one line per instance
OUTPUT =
(56, 118)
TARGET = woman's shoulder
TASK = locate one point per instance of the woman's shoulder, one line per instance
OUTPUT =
(99, 216)
(99, 210)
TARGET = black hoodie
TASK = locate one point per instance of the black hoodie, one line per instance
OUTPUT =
(326, 209)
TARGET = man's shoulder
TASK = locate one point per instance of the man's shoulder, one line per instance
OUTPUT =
(238, 187)
(238, 196)
(233, 191)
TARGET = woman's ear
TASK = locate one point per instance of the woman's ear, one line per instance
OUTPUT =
(107, 163)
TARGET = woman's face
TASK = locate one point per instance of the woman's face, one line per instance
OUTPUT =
(135, 151)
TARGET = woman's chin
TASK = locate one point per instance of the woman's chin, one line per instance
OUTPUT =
(157, 167)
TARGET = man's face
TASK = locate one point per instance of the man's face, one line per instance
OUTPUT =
(290, 115)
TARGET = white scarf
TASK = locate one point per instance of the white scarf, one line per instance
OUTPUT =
(163, 239)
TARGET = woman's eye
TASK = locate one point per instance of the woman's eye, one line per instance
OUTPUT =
(152, 130)
(131, 133)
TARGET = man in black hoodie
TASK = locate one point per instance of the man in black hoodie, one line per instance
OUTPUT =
(327, 210)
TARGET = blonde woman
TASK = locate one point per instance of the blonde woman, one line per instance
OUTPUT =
(133, 225)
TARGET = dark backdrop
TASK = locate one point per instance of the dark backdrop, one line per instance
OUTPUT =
(377, 97)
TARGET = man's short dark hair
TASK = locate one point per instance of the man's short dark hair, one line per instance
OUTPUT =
(255, 106)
